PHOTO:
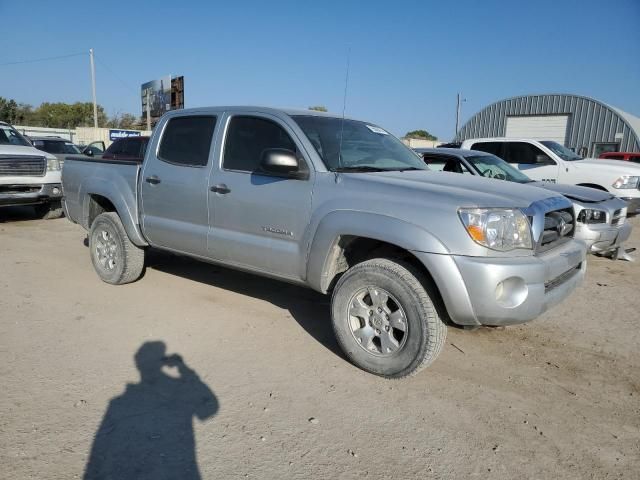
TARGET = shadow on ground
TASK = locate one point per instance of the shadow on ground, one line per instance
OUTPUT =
(310, 309)
(147, 432)
(17, 214)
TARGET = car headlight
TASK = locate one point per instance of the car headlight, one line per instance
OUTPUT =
(500, 229)
(590, 216)
(626, 181)
(53, 164)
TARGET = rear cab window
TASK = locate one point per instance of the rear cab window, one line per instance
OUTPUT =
(186, 140)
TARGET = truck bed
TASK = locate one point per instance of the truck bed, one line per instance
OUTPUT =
(83, 176)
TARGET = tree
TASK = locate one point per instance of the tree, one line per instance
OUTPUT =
(318, 108)
(62, 115)
(8, 110)
(421, 134)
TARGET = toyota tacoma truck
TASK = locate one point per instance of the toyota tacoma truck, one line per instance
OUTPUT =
(549, 161)
(600, 216)
(28, 176)
(340, 206)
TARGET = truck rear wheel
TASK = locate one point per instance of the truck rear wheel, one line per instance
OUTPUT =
(115, 258)
(49, 211)
(385, 320)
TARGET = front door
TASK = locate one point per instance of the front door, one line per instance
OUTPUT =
(259, 220)
(174, 185)
(532, 161)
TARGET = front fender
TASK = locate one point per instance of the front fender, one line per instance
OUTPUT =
(119, 193)
(384, 228)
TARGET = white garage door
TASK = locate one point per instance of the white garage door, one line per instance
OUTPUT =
(538, 127)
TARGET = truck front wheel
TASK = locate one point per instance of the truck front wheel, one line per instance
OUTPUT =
(115, 258)
(384, 318)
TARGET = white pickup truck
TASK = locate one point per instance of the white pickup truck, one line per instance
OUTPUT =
(28, 176)
(549, 161)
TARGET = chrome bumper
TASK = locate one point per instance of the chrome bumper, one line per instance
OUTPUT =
(29, 194)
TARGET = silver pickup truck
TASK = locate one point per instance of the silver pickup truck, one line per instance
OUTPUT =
(340, 206)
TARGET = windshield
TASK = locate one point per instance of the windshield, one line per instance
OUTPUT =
(365, 147)
(562, 151)
(10, 136)
(493, 167)
(55, 146)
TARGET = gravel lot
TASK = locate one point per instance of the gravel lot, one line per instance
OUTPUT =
(263, 391)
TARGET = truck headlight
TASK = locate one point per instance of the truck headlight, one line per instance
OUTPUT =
(53, 164)
(626, 181)
(590, 216)
(500, 229)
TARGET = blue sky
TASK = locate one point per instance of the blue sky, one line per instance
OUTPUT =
(408, 59)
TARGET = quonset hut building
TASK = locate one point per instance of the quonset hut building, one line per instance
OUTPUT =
(587, 126)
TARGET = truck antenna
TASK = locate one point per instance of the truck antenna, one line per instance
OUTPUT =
(344, 106)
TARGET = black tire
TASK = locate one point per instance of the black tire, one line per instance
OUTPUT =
(115, 258)
(424, 334)
(49, 211)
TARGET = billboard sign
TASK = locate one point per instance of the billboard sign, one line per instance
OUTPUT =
(159, 94)
(115, 134)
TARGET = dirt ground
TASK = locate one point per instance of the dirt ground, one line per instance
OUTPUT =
(262, 390)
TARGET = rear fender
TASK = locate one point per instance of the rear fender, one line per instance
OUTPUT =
(118, 192)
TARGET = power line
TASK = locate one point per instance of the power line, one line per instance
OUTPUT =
(35, 60)
(125, 84)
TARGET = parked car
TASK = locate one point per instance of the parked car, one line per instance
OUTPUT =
(625, 156)
(94, 149)
(600, 216)
(549, 161)
(129, 149)
(60, 147)
(28, 176)
(340, 206)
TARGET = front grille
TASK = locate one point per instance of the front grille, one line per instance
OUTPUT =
(618, 217)
(558, 228)
(560, 279)
(22, 166)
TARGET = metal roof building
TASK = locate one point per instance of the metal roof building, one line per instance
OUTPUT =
(586, 125)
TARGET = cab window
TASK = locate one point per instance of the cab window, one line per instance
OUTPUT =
(248, 137)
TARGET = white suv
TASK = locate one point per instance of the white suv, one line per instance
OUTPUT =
(549, 161)
(28, 176)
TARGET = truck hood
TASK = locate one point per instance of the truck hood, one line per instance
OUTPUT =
(613, 168)
(461, 190)
(573, 192)
(19, 150)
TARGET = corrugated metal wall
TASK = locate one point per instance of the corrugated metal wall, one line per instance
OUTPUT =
(589, 120)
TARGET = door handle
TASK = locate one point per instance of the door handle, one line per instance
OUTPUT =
(153, 180)
(220, 188)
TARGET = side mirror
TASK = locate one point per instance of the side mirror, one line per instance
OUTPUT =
(281, 163)
(542, 159)
(88, 152)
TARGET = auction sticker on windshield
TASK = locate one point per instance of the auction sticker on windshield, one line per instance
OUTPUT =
(377, 130)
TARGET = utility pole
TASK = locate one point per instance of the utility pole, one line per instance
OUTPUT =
(93, 87)
(458, 101)
(148, 112)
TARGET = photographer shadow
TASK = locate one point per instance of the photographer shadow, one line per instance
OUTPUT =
(147, 432)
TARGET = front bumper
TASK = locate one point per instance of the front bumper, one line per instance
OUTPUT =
(603, 237)
(506, 291)
(633, 205)
(16, 194)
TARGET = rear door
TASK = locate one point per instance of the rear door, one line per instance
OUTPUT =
(174, 184)
(259, 220)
